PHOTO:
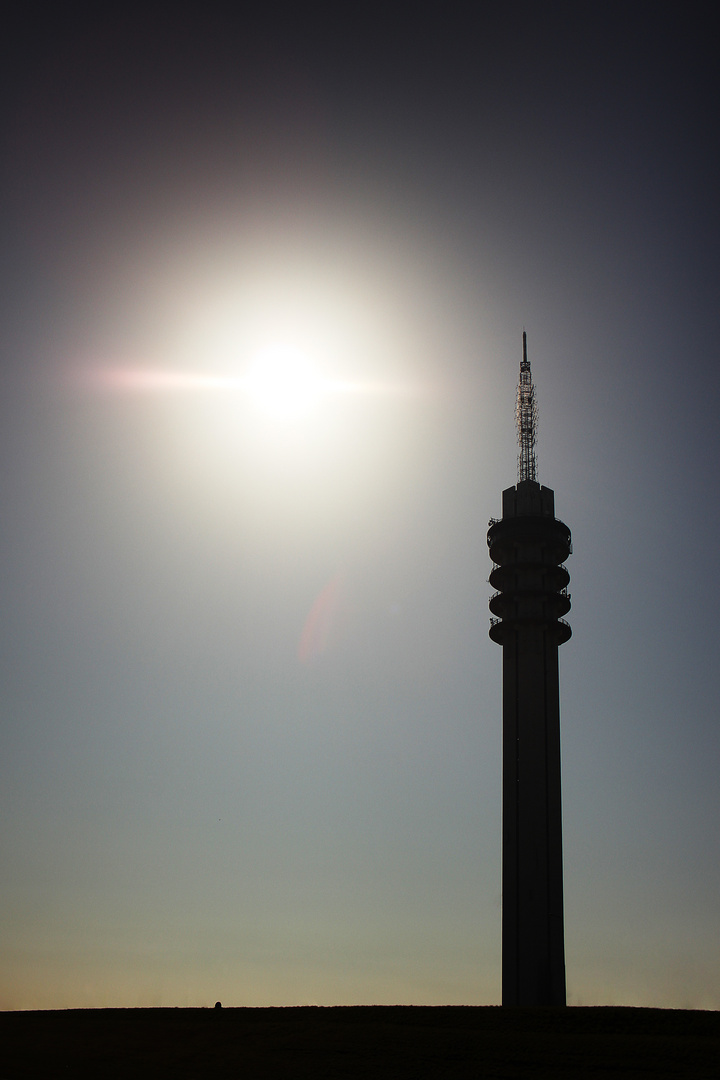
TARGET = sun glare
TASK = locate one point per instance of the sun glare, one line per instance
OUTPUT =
(283, 382)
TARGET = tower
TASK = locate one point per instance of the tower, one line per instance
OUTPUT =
(528, 546)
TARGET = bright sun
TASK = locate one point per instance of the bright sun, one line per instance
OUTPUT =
(283, 382)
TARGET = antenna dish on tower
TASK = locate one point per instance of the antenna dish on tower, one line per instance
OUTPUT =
(526, 419)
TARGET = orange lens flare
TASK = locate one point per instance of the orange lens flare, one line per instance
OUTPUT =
(321, 621)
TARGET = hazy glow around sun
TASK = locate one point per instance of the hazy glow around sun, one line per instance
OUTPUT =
(294, 353)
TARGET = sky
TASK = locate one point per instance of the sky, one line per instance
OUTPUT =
(250, 746)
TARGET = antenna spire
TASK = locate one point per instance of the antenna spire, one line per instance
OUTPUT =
(526, 418)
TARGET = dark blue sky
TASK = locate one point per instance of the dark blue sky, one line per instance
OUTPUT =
(205, 795)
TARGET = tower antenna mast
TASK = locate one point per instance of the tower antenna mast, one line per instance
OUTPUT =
(526, 419)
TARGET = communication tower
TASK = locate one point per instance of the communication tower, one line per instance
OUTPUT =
(528, 546)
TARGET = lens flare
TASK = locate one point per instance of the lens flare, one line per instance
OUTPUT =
(320, 622)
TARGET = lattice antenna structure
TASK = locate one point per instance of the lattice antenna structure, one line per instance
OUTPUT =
(526, 419)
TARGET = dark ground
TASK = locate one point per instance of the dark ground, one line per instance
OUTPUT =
(370, 1041)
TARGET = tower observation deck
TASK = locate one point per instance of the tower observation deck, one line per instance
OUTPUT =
(528, 546)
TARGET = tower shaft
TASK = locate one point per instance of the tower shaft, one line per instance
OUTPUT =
(533, 949)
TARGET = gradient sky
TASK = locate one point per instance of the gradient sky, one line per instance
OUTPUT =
(251, 716)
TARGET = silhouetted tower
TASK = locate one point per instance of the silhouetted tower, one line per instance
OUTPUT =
(527, 546)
